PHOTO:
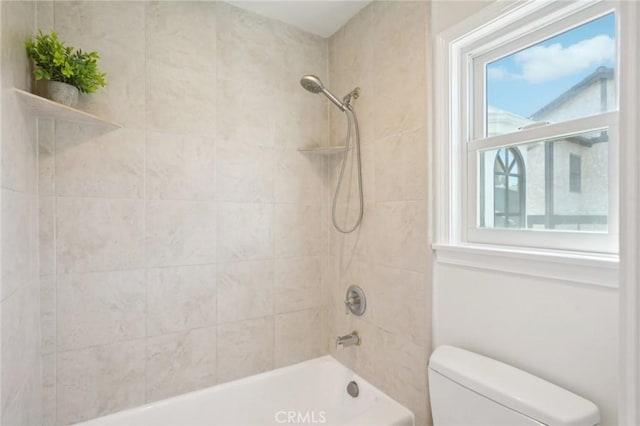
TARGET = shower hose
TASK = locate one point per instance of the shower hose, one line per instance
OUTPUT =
(352, 121)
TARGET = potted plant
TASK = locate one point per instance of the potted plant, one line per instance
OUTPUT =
(68, 71)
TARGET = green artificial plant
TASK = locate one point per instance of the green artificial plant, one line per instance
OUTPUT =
(58, 62)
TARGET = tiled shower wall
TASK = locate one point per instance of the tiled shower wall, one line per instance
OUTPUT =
(20, 382)
(186, 248)
(384, 51)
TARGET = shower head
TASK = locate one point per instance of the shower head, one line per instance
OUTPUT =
(314, 85)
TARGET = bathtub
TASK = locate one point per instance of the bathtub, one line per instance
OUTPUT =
(310, 393)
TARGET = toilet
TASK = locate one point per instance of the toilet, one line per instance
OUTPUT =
(468, 389)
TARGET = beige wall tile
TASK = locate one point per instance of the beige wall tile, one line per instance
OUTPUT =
(349, 191)
(401, 167)
(244, 348)
(400, 50)
(179, 363)
(399, 36)
(397, 300)
(117, 31)
(49, 389)
(245, 173)
(44, 14)
(19, 292)
(99, 380)
(399, 109)
(298, 178)
(46, 151)
(182, 35)
(297, 230)
(187, 104)
(181, 298)
(300, 53)
(352, 273)
(46, 230)
(245, 231)
(402, 235)
(245, 290)
(17, 26)
(361, 358)
(297, 284)
(353, 44)
(94, 162)
(298, 336)
(213, 92)
(180, 167)
(99, 234)
(181, 67)
(384, 47)
(48, 312)
(100, 308)
(246, 112)
(19, 241)
(24, 409)
(402, 369)
(329, 280)
(301, 117)
(359, 244)
(19, 144)
(246, 43)
(181, 233)
(20, 341)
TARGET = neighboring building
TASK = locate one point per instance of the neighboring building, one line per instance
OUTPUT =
(559, 184)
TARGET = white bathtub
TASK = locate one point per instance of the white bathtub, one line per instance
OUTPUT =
(310, 393)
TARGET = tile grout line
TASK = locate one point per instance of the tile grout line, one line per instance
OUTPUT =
(145, 206)
(215, 182)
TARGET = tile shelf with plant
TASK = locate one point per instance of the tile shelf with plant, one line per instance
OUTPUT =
(46, 108)
(66, 72)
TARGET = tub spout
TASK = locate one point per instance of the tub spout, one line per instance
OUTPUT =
(348, 340)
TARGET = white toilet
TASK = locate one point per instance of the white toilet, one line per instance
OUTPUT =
(468, 389)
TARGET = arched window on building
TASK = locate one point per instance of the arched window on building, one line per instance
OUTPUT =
(509, 189)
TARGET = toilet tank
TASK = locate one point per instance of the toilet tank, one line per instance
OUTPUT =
(467, 389)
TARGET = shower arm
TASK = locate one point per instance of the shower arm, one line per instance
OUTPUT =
(334, 99)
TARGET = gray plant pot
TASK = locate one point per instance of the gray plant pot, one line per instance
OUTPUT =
(62, 93)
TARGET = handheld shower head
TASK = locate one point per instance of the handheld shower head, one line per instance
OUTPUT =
(313, 84)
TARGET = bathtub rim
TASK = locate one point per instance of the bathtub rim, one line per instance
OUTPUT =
(329, 359)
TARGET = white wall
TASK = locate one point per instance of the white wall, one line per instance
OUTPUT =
(564, 332)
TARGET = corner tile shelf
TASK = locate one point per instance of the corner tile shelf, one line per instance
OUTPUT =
(322, 150)
(50, 109)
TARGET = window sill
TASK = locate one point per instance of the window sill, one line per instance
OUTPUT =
(592, 269)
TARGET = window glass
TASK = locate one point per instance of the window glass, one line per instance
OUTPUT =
(575, 173)
(533, 185)
(568, 76)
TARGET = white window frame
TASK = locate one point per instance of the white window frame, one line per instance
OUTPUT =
(579, 269)
(496, 32)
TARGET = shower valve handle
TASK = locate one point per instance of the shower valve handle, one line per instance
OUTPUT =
(349, 301)
(355, 301)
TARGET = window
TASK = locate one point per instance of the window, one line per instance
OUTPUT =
(537, 126)
(575, 173)
(508, 189)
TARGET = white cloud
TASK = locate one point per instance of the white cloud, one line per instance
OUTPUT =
(500, 73)
(544, 63)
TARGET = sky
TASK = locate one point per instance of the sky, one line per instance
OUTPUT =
(525, 81)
